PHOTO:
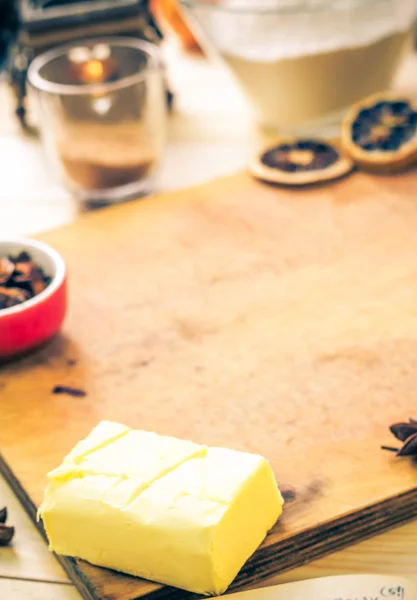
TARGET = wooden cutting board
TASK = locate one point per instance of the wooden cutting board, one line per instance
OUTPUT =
(275, 321)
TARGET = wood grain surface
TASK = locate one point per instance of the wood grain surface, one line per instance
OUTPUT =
(277, 321)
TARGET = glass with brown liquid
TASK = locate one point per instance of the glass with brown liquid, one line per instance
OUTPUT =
(102, 115)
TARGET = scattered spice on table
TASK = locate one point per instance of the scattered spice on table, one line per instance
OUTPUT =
(407, 434)
(6, 532)
(20, 279)
(70, 391)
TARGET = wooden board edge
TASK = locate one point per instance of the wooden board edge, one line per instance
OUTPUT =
(329, 537)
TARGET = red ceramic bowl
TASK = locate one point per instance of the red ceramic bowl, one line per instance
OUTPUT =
(35, 321)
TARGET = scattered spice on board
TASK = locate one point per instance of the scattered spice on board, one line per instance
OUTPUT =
(70, 391)
(407, 434)
(6, 532)
(20, 279)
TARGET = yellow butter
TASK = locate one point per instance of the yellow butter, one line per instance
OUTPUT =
(161, 508)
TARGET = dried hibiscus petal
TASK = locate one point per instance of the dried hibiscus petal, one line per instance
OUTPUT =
(20, 279)
(23, 271)
(38, 281)
(11, 296)
(23, 257)
(6, 270)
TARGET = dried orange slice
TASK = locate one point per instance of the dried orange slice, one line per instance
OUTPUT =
(380, 133)
(301, 162)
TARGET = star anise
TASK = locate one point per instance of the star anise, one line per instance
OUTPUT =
(406, 433)
(6, 532)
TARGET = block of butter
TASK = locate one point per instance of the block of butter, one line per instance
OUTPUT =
(161, 508)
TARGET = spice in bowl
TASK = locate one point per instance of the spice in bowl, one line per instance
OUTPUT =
(20, 279)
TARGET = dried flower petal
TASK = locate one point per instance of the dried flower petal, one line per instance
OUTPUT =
(23, 257)
(12, 296)
(20, 279)
(23, 271)
(6, 270)
(37, 281)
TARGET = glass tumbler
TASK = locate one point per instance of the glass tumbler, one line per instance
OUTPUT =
(102, 115)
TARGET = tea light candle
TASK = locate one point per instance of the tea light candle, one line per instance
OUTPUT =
(92, 65)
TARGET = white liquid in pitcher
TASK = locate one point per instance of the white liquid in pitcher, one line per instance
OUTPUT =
(311, 89)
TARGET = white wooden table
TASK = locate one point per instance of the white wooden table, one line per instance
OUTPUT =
(209, 136)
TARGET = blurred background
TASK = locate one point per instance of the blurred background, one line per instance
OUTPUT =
(233, 74)
(30, 27)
